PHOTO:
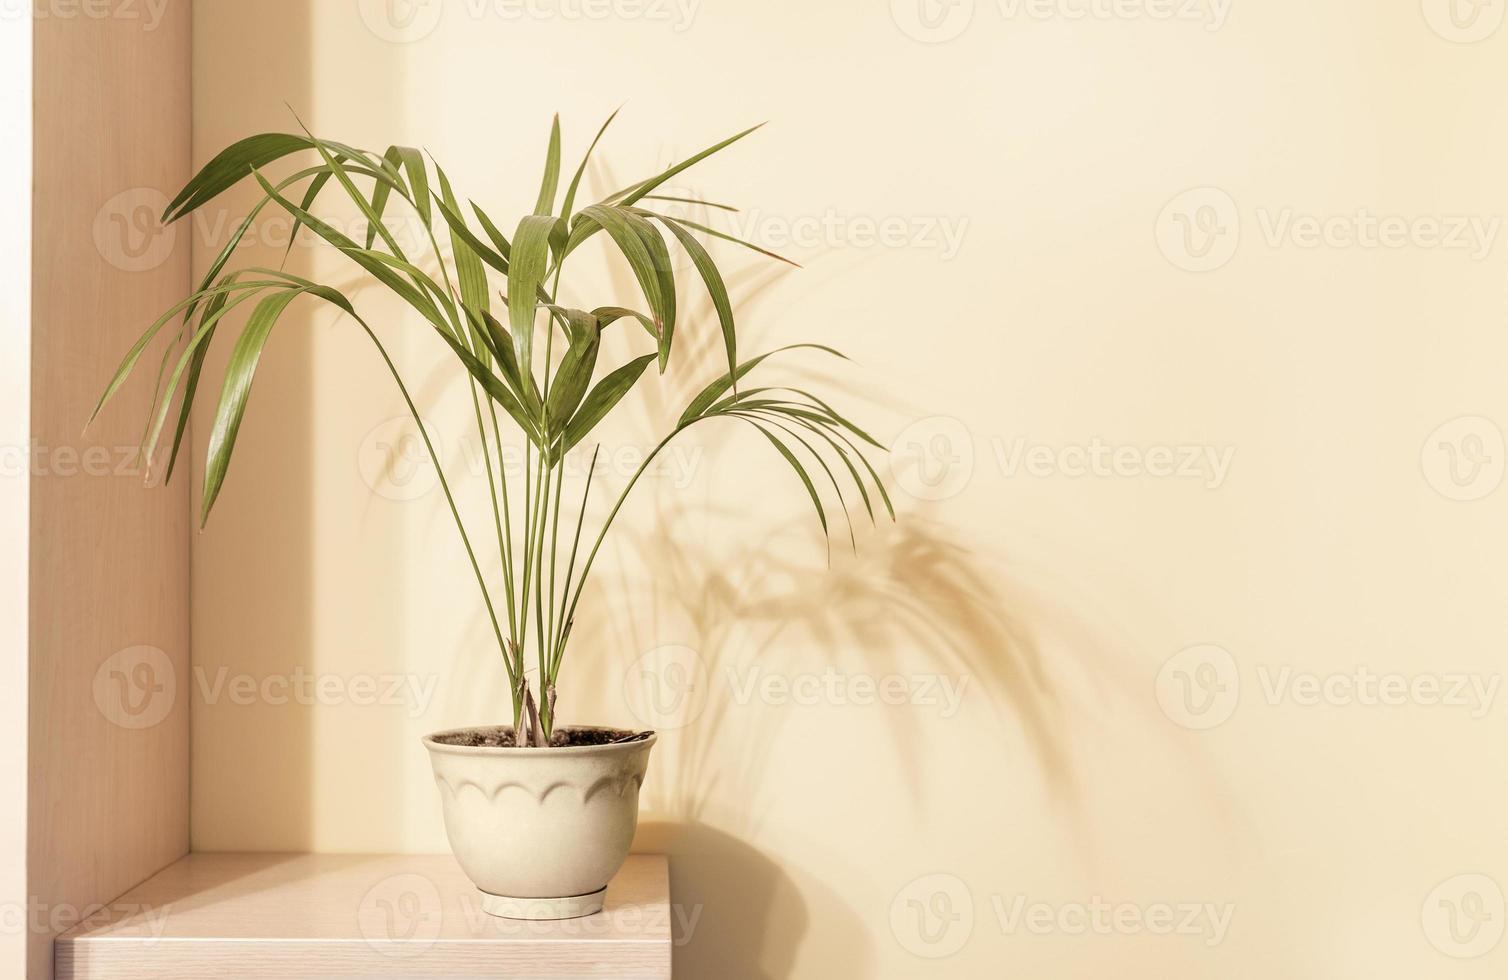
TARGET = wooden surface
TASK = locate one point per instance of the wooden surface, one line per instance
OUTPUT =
(15, 431)
(327, 915)
(109, 558)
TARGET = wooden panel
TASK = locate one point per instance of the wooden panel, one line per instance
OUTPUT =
(15, 430)
(108, 643)
(327, 915)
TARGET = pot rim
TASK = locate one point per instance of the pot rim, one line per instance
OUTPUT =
(646, 740)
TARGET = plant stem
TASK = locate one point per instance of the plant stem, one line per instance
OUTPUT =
(445, 485)
(586, 569)
(497, 517)
(502, 471)
(504, 538)
(546, 653)
(559, 639)
(543, 486)
(547, 467)
(523, 595)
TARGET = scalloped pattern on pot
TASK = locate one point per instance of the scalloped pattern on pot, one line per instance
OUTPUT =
(620, 783)
(540, 824)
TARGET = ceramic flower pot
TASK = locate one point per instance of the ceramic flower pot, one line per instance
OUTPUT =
(540, 832)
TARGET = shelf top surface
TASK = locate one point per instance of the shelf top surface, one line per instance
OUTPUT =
(382, 901)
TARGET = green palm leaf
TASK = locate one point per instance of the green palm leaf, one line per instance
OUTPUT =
(632, 194)
(716, 288)
(640, 260)
(526, 272)
(546, 202)
(575, 374)
(710, 394)
(570, 198)
(451, 292)
(795, 464)
(608, 393)
(229, 166)
(610, 314)
(239, 374)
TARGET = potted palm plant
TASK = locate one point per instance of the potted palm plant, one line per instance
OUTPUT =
(540, 815)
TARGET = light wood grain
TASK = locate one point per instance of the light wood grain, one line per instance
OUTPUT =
(329, 915)
(15, 429)
(108, 569)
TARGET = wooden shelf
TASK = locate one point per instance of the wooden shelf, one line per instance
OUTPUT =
(333, 915)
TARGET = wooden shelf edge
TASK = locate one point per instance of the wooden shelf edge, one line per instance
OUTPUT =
(329, 915)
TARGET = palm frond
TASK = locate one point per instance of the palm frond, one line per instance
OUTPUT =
(555, 402)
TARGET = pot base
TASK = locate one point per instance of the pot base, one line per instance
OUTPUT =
(571, 907)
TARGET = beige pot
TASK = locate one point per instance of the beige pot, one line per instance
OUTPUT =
(540, 832)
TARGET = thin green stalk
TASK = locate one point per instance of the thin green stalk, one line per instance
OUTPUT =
(546, 706)
(503, 546)
(539, 574)
(497, 517)
(445, 485)
(523, 595)
(554, 542)
(507, 538)
(533, 541)
(559, 638)
(586, 569)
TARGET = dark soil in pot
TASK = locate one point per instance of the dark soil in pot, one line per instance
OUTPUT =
(501, 737)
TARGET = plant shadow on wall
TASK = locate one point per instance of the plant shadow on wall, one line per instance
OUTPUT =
(908, 597)
(913, 598)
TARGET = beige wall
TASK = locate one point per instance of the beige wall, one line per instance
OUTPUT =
(1313, 535)
(107, 795)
